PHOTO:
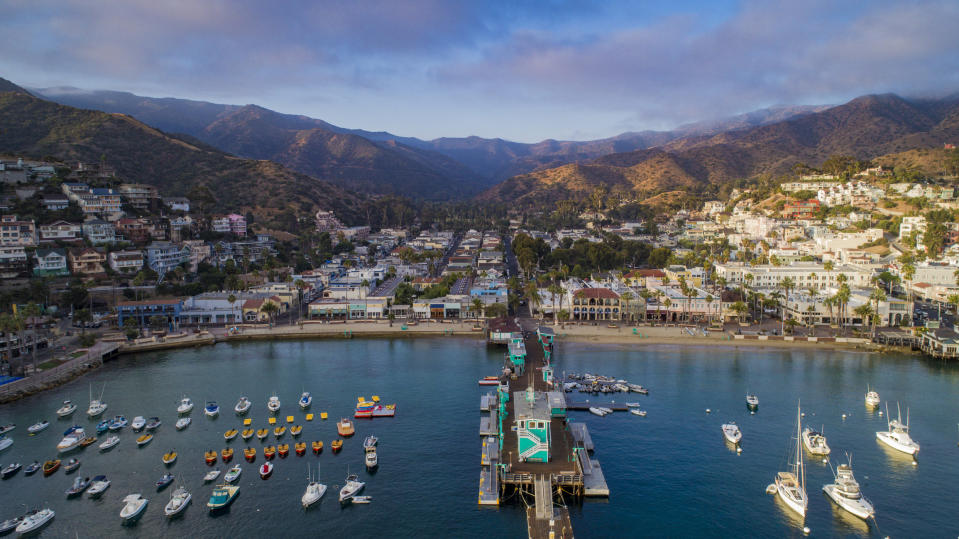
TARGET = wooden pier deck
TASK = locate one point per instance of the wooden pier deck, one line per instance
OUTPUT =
(558, 527)
(581, 436)
(584, 406)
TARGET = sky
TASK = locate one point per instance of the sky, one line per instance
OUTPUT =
(520, 70)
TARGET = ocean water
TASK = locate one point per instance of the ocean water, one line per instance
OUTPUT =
(670, 473)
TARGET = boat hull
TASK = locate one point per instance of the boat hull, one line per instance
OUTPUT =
(797, 505)
(860, 508)
(885, 438)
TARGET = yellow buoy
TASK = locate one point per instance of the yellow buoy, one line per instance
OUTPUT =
(323, 415)
(247, 422)
(360, 399)
(309, 417)
(272, 420)
(289, 419)
(376, 398)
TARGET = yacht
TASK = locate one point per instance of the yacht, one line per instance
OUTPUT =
(351, 488)
(35, 521)
(138, 423)
(6, 442)
(38, 426)
(212, 409)
(274, 404)
(178, 502)
(98, 486)
(7, 428)
(314, 490)
(67, 409)
(71, 439)
(133, 508)
(372, 461)
(872, 398)
(897, 437)
(242, 406)
(185, 406)
(752, 401)
(306, 400)
(791, 485)
(845, 492)
(97, 406)
(815, 442)
(183, 423)
(223, 495)
(732, 433)
(109, 443)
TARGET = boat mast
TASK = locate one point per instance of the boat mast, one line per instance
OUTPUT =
(799, 461)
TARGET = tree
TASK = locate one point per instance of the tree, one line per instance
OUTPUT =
(476, 306)
(130, 328)
(740, 309)
(83, 317)
(555, 291)
(864, 312)
(496, 310)
(828, 266)
(709, 309)
(626, 297)
(786, 284)
(301, 285)
(157, 323)
(270, 308)
(532, 295)
(31, 312)
(232, 299)
(877, 296)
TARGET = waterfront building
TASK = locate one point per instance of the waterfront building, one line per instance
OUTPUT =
(533, 418)
(803, 274)
(211, 309)
(594, 304)
(143, 311)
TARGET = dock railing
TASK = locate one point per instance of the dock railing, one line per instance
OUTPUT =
(93, 357)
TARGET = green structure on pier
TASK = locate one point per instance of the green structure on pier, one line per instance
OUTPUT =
(532, 425)
(517, 356)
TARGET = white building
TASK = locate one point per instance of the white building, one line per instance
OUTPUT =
(804, 275)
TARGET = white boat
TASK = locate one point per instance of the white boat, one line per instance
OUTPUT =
(637, 411)
(845, 492)
(178, 502)
(97, 406)
(815, 442)
(138, 423)
(99, 485)
(791, 485)
(233, 474)
(242, 406)
(71, 439)
(351, 488)
(370, 442)
(732, 433)
(34, 522)
(596, 411)
(212, 409)
(314, 490)
(752, 401)
(274, 404)
(185, 406)
(872, 398)
(67, 409)
(183, 423)
(372, 461)
(897, 437)
(361, 499)
(38, 426)
(632, 405)
(109, 443)
(604, 409)
(6, 442)
(133, 507)
(306, 400)
(211, 475)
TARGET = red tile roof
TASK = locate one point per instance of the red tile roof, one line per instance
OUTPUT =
(597, 293)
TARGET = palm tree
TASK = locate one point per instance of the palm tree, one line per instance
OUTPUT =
(829, 302)
(786, 284)
(580, 296)
(555, 291)
(828, 266)
(646, 295)
(532, 295)
(31, 312)
(740, 309)
(627, 296)
(709, 303)
(300, 285)
(666, 303)
(476, 306)
(232, 299)
(908, 272)
(864, 312)
(878, 296)
(843, 299)
(270, 308)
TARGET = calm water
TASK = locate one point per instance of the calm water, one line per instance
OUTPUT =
(670, 473)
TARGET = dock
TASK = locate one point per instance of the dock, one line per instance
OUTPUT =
(488, 402)
(581, 436)
(489, 474)
(593, 479)
(585, 406)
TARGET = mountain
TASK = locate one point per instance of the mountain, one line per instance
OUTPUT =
(865, 128)
(7, 86)
(38, 128)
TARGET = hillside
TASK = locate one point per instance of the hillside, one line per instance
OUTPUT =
(35, 127)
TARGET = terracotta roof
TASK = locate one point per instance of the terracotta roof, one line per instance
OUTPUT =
(253, 304)
(597, 293)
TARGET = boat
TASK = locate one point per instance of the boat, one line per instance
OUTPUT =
(345, 427)
(247, 434)
(279, 431)
(844, 491)
(266, 470)
(897, 437)
(791, 485)
(351, 488)
(230, 434)
(273, 404)
(489, 381)
(33, 468)
(370, 441)
(249, 454)
(632, 405)
(89, 440)
(185, 406)
(372, 461)
(815, 442)
(262, 433)
(133, 508)
(227, 454)
(872, 397)
(51, 466)
(597, 411)
(38, 426)
(210, 457)
(138, 423)
(109, 443)
(67, 409)
(79, 485)
(5, 442)
(242, 406)
(103, 426)
(300, 448)
(179, 500)
(97, 406)
(637, 411)
(384, 411)
(71, 465)
(295, 430)
(752, 401)
(118, 422)
(10, 470)
(153, 423)
(10, 524)
(317, 447)
(211, 475)
(360, 499)
(144, 439)
(336, 445)
(98, 486)
(314, 489)
(164, 481)
(222, 496)
(182, 423)
(7, 428)
(306, 400)
(283, 450)
(71, 439)
(34, 521)
(212, 409)
(732, 433)
(233, 474)
(169, 457)
(636, 388)
(269, 452)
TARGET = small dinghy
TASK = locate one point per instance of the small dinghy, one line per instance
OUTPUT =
(230, 434)
(164, 481)
(10, 470)
(637, 411)
(32, 468)
(144, 440)
(79, 485)
(109, 443)
(233, 474)
(183, 423)
(98, 486)
(138, 423)
(266, 470)
(38, 426)
(153, 423)
(169, 457)
(71, 465)
(211, 476)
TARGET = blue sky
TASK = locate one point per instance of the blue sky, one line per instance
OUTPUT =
(523, 71)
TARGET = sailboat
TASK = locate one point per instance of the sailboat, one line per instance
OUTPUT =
(314, 489)
(897, 437)
(97, 406)
(791, 486)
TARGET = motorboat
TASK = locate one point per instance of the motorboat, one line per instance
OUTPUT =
(144, 439)
(249, 454)
(71, 439)
(597, 411)
(752, 401)
(300, 448)
(98, 486)
(273, 404)
(345, 427)
(317, 446)
(97, 406)
(636, 388)
(607, 410)
(314, 490)
(118, 423)
(269, 452)
(109, 443)
(897, 437)
(183, 423)
(103, 426)
(351, 488)
(212, 409)
(266, 470)
(230, 434)
(279, 431)
(10, 524)
(133, 508)
(844, 491)
(872, 397)
(185, 406)
(336, 445)
(38, 426)
(283, 450)
(169, 457)
(732, 433)
(153, 423)
(372, 461)
(210, 457)
(262, 433)
(179, 500)
(370, 441)
(295, 430)
(138, 423)
(360, 499)
(227, 454)
(7, 428)
(10, 470)
(33, 468)
(632, 405)
(164, 481)
(637, 411)
(247, 434)
(242, 406)
(815, 442)
(89, 440)
(79, 485)
(211, 476)
(66, 409)
(51, 466)
(34, 521)
(222, 496)
(791, 485)
(233, 474)
(71, 465)
(489, 381)
(5, 442)
(306, 400)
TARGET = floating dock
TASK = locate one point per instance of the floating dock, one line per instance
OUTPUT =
(594, 481)
(581, 436)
